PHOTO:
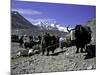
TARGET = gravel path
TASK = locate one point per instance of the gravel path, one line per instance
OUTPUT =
(62, 60)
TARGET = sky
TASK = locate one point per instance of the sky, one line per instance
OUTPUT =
(64, 14)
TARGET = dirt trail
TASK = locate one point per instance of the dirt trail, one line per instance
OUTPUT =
(61, 60)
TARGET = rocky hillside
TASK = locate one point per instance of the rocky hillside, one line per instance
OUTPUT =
(19, 22)
(62, 60)
(92, 25)
(21, 26)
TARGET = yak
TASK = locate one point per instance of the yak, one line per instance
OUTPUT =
(49, 43)
(28, 41)
(82, 37)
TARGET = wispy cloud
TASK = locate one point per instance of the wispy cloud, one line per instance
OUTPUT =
(61, 28)
(27, 11)
(41, 20)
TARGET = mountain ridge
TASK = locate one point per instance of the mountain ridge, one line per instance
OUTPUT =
(19, 22)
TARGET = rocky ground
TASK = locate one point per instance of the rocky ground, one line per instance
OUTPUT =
(62, 60)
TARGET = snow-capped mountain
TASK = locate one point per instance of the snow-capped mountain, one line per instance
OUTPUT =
(50, 25)
(18, 21)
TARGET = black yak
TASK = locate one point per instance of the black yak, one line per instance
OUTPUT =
(82, 36)
(49, 43)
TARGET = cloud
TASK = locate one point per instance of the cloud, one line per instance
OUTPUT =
(52, 25)
(41, 20)
(60, 28)
(27, 11)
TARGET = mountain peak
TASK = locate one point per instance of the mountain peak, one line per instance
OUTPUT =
(18, 21)
(50, 25)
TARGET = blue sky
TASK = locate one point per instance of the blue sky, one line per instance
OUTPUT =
(64, 14)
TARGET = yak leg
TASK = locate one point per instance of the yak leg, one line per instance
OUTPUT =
(77, 51)
(43, 51)
(47, 51)
(42, 48)
(83, 48)
(53, 50)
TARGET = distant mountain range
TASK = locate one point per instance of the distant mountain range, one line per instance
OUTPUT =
(22, 26)
(19, 22)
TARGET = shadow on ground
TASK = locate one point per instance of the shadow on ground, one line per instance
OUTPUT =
(57, 53)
